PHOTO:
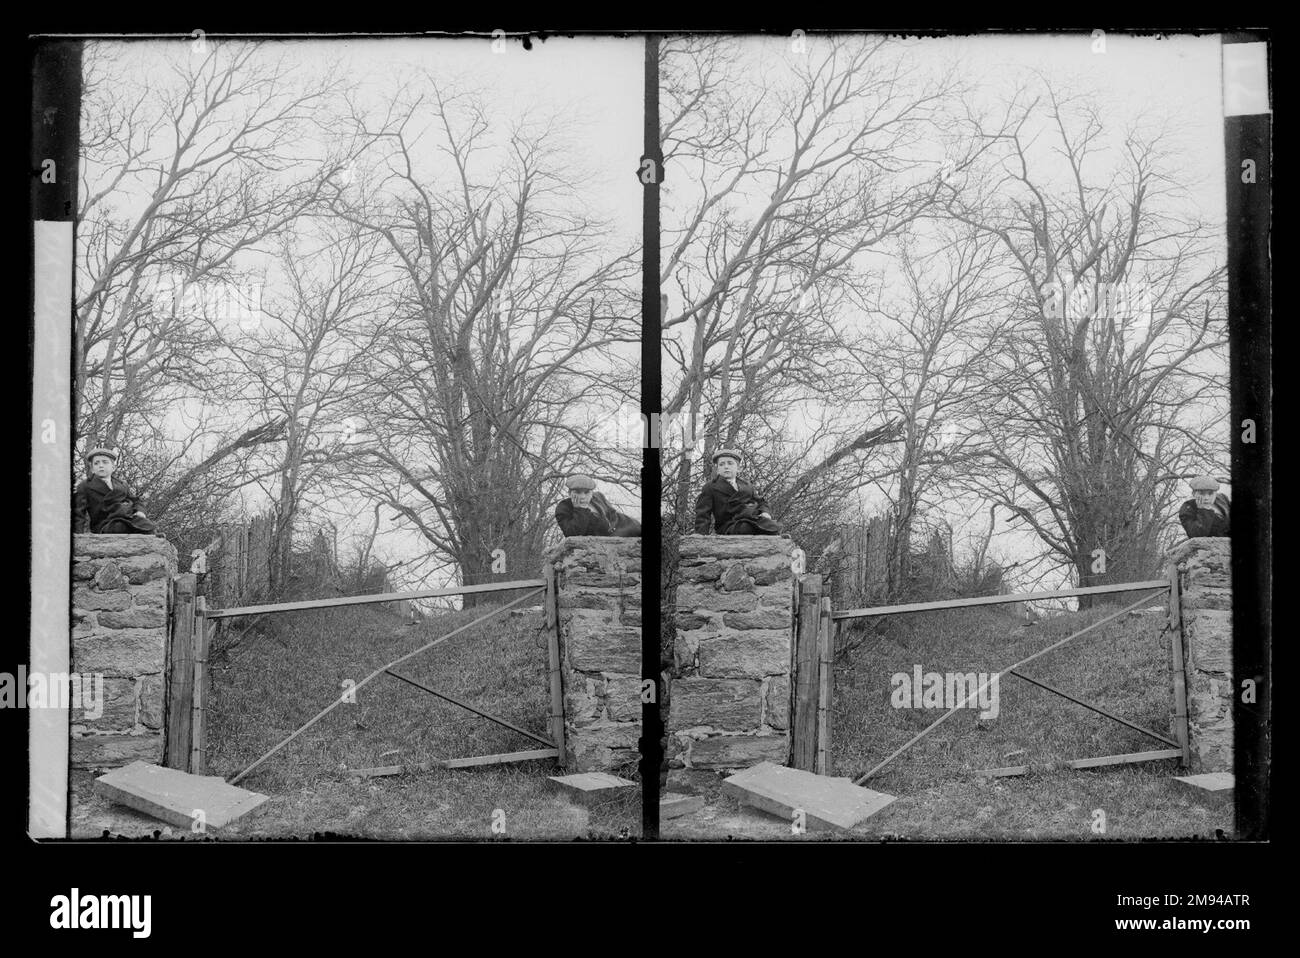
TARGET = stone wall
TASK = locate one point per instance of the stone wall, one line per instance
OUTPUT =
(1205, 584)
(598, 582)
(120, 601)
(729, 699)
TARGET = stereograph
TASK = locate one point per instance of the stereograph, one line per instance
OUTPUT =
(678, 438)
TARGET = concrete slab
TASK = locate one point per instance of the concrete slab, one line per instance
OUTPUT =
(176, 797)
(826, 802)
(675, 805)
(587, 787)
(1208, 781)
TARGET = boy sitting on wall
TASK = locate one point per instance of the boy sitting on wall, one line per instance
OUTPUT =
(731, 503)
(106, 505)
(588, 513)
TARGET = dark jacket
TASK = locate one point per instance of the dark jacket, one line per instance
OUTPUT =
(601, 519)
(722, 505)
(96, 504)
(1206, 522)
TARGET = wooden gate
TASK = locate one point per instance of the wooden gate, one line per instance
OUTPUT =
(817, 639)
(193, 624)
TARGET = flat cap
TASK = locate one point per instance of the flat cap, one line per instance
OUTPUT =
(101, 451)
(733, 453)
(1205, 484)
(579, 481)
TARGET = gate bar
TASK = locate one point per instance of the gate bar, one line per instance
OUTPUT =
(1001, 599)
(465, 705)
(1162, 584)
(1093, 708)
(371, 599)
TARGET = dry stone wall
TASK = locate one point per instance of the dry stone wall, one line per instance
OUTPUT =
(598, 583)
(120, 605)
(1205, 587)
(729, 698)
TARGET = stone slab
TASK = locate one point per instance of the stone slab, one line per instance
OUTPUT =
(586, 787)
(1209, 781)
(675, 805)
(826, 802)
(174, 796)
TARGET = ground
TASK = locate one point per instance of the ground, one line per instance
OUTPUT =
(1122, 667)
(294, 664)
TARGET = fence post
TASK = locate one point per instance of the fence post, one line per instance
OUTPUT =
(803, 747)
(551, 615)
(826, 685)
(198, 747)
(180, 673)
(1177, 665)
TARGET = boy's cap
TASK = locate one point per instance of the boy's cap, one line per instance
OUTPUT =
(1205, 484)
(101, 451)
(733, 453)
(579, 481)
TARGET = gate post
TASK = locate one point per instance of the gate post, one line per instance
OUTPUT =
(803, 746)
(826, 685)
(180, 674)
(199, 736)
(1177, 666)
(552, 620)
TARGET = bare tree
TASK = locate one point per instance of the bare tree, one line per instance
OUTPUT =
(182, 179)
(1112, 366)
(506, 320)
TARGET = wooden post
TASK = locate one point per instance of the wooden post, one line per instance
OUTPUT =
(552, 618)
(198, 732)
(803, 746)
(1177, 666)
(180, 673)
(826, 685)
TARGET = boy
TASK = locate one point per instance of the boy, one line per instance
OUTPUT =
(106, 505)
(731, 503)
(1207, 512)
(588, 513)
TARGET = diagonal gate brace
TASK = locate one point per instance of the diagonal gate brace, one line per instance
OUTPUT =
(471, 708)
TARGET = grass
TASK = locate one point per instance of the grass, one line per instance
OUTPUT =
(296, 663)
(1121, 667)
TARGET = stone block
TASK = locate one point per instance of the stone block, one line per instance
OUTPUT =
(151, 693)
(738, 751)
(735, 578)
(83, 598)
(601, 646)
(119, 708)
(604, 746)
(112, 751)
(137, 618)
(707, 571)
(94, 546)
(778, 595)
(145, 568)
(1208, 634)
(686, 621)
(686, 650)
(733, 704)
(120, 652)
(693, 597)
(150, 594)
(83, 571)
(776, 702)
(108, 578)
(763, 618)
(766, 570)
(752, 654)
(732, 547)
(623, 698)
(582, 699)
